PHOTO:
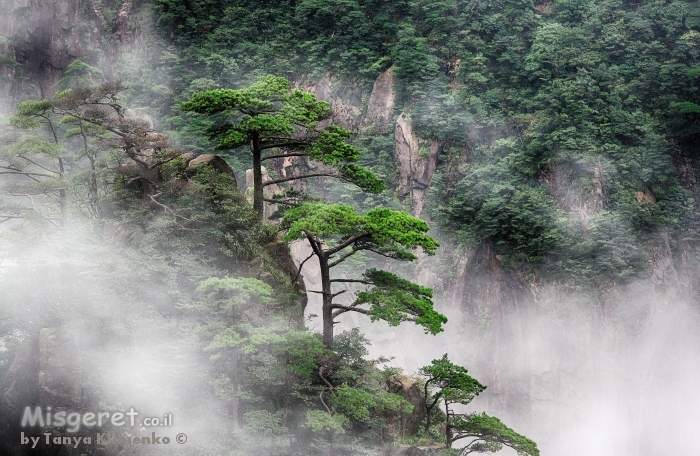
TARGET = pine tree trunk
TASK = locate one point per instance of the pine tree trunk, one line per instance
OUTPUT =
(257, 178)
(327, 302)
(448, 428)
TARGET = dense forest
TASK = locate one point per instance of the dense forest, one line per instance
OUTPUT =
(351, 227)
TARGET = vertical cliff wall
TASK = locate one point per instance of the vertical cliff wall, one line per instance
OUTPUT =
(44, 36)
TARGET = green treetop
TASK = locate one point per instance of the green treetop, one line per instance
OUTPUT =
(271, 116)
(337, 232)
(489, 435)
(452, 384)
(448, 382)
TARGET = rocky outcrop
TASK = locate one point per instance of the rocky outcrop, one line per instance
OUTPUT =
(382, 101)
(296, 167)
(417, 160)
(344, 109)
(217, 163)
(346, 113)
(662, 269)
(279, 252)
(406, 424)
(494, 307)
(310, 277)
(268, 191)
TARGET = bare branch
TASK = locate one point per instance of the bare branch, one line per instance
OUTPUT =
(162, 162)
(25, 174)
(320, 395)
(342, 309)
(347, 242)
(280, 201)
(353, 281)
(5, 218)
(169, 210)
(344, 257)
(320, 374)
(134, 179)
(40, 166)
(287, 179)
(301, 265)
(290, 144)
(31, 199)
(315, 245)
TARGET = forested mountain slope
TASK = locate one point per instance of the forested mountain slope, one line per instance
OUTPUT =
(553, 146)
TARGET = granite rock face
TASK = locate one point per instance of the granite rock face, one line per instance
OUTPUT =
(381, 102)
(417, 160)
(45, 36)
(214, 161)
(268, 191)
(408, 388)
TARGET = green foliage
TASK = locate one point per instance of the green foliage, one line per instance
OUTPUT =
(337, 232)
(225, 39)
(224, 225)
(608, 253)
(415, 63)
(271, 115)
(490, 435)
(228, 301)
(394, 300)
(79, 74)
(361, 405)
(33, 108)
(451, 384)
(570, 99)
(318, 421)
(520, 221)
(566, 128)
(385, 231)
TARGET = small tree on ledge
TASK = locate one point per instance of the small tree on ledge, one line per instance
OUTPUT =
(337, 232)
(451, 384)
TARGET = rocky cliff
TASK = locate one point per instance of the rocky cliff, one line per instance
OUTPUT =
(45, 36)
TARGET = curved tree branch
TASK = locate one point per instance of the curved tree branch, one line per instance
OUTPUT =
(301, 265)
(287, 179)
